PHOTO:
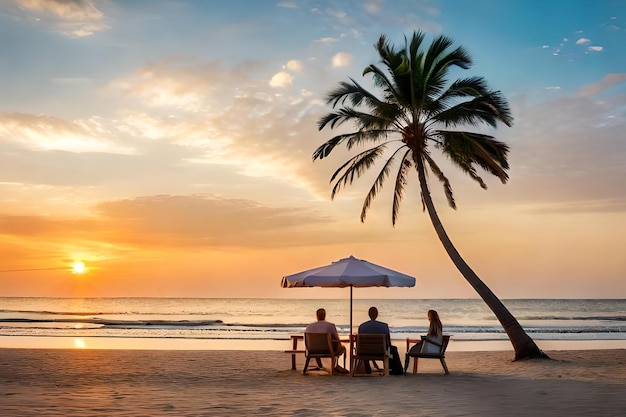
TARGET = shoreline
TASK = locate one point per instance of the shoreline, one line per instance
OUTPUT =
(92, 382)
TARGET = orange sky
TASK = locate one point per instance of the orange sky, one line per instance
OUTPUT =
(168, 146)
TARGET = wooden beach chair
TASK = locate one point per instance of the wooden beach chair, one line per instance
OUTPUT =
(370, 347)
(318, 346)
(429, 350)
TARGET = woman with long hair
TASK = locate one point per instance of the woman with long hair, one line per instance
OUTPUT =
(435, 333)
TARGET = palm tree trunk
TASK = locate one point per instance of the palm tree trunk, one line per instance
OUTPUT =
(523, 345)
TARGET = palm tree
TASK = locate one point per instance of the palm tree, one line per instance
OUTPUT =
(416, 107)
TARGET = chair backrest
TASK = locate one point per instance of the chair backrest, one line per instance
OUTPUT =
(371, 344)
(318, 343)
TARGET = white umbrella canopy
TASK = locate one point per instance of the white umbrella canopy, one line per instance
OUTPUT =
(349, 272)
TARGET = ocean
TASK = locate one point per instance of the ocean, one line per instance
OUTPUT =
(268, 323)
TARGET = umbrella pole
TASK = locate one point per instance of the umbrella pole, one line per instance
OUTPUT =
(350, 309)
(351, 339)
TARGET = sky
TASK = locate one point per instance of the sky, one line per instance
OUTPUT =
(168, 144)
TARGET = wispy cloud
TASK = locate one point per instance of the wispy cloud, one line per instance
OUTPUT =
(50, 133)
(229, 118)
(178, 222)
(288, 4)
(608, 205)
(373, 7)
(76, 18)
(172, 83)
(608, 82)
(326, 40)
(581, 162)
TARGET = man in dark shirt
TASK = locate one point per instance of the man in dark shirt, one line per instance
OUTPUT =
(374, 326)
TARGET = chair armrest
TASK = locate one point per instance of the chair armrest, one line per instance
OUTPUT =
(410, 340)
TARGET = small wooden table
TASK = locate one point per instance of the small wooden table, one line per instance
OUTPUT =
(295, 338)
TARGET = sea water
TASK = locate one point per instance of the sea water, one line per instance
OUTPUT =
(259, 323)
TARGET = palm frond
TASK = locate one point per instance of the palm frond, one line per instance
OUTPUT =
(355, 167)
(351, 140)
(346, 114)
(488, 109)
(382, 81)
(438, 62)
(353, 92)
(469, 149)
(378, 184)
(439, 58)
(401, 181)
(396, 84)
(415, 44)
(387, 53)
(459, 89)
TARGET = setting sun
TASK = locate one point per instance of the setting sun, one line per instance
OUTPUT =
(78, 268)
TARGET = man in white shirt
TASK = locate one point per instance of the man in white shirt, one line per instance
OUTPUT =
(323, 326)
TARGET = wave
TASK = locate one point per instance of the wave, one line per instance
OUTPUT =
(218, 325)
(57, 313)
(569, 318)
(121, 323)
(97, 313)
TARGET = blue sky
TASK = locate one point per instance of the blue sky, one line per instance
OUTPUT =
(153, 139)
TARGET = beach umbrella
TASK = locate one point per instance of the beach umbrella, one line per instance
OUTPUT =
(348, 272)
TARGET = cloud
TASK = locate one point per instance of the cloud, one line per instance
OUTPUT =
(608, 82)
(606, 205)
(288, 4)
(172, 83)
(211, 128)
(67, 10)
(232, 118)
(582, 41)
(170, 221)
(595, 48)
(281, 79)
(373, 7)
(341, 59)
(326, 40)
(49, 133)
(295, 65)
(336, 13)
(568, 145)
(75, 19)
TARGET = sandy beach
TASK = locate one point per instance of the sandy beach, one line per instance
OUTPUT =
(63, 382)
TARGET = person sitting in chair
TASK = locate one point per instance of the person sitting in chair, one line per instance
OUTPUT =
(323, 326)
(433, 339)
(374, 326)
(435, 333)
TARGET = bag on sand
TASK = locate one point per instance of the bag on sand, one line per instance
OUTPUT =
(395, 364)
